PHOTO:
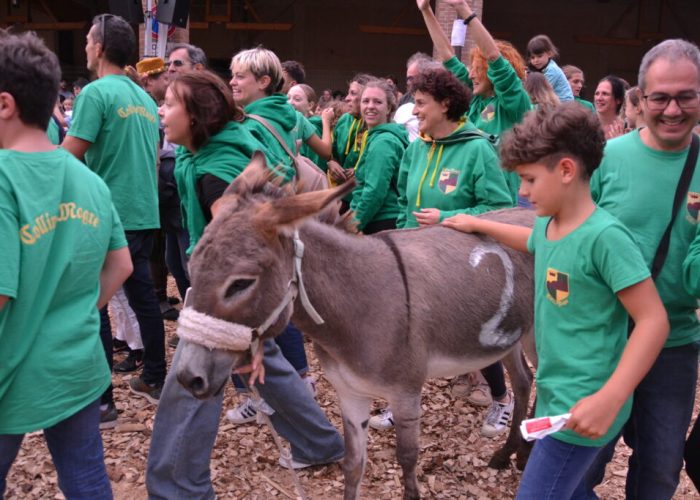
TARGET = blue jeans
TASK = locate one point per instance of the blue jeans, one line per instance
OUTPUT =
(291, 343)
(185, 429)
(661, 411)
(555, 471)
(76, 448)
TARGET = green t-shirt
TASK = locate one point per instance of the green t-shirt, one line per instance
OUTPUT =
(53, 132)
(121, 122)
(58, 223)
(637, 184)
(586, 104)
(375, 197)
(580, 325)
(456, 174)
(691, 266)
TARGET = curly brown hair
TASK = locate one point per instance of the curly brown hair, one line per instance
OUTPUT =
(551, 133)
(509, 53)
(442, 85)
(208, 101)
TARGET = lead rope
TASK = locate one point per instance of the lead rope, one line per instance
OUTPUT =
(285, 454)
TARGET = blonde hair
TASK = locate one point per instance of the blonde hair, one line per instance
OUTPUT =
(261, 62)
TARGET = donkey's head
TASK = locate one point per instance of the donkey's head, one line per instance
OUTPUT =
(241, 272)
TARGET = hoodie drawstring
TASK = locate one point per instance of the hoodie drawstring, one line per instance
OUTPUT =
(427, 167)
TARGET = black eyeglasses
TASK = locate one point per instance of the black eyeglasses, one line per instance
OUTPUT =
(684, 100)
(103, 22)
(176, 62)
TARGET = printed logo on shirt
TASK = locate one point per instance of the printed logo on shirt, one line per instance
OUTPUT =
(557, 287)
(488, 113)
(139, 110)
(45, 223)
(693, 207)
(448, 180)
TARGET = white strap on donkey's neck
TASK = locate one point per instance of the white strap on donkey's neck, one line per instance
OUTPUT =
(215, 333)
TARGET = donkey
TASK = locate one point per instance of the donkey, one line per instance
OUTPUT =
(397, 308)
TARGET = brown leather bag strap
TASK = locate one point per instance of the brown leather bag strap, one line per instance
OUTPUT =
(277, 135)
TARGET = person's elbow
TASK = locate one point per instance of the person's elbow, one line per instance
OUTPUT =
(654, 320)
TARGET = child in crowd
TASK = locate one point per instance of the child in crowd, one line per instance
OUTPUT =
(64, 254)
(541, 53)
(589, 274)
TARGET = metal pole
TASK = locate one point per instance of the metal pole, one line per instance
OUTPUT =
(148, 30)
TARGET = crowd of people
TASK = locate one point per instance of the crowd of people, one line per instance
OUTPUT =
(88, 250)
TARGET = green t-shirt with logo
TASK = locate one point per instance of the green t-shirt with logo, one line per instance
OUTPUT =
(58, 223)
(121, 121)
(637, 184)
(580, 325)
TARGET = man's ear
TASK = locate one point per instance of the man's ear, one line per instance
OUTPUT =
(8, 106)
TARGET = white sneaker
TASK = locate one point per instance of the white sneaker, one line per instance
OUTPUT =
(497, 417)
(383, 421)
(243, 413)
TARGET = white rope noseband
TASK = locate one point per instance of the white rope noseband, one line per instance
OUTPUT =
(215, 333)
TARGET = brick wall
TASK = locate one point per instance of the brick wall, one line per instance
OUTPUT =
(446, 15)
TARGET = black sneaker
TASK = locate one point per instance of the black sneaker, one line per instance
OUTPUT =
(168, 312)
(119, 346)
(108, 417)
(149, 391)
(173, 300)
(131, 363)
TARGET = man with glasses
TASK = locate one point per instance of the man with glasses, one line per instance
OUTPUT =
(636, 182)
(115, 129)
(184, 57)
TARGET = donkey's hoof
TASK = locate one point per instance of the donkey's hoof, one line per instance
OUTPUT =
(500, 460)
(522, 455)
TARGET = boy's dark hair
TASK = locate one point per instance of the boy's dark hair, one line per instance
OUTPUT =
(116, 37)
(539, 45)
(443, 85)
(295, 70)
(549, 134)
(29, 72)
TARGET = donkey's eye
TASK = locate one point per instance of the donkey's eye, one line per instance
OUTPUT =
(238, 286)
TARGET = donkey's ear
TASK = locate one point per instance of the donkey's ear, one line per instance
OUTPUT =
(287, 213)
(253, 177)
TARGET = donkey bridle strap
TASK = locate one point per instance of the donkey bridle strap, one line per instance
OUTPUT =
(211, 332)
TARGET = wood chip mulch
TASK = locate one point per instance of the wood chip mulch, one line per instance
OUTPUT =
(452, 463)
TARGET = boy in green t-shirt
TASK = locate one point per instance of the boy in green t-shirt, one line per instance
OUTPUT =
(589, 274)
(64, 255)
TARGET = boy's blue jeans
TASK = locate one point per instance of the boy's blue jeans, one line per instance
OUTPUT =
(185, 429)
(555, 471)
(663, 405)
(76, 448)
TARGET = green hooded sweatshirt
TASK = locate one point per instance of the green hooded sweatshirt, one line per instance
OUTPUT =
(499, 112)
(458, 174)
(347, 140)
(306, 150)
(376, 196)
(225, 155)
(283, 117)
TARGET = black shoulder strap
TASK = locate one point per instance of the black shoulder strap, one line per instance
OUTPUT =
(681, 190)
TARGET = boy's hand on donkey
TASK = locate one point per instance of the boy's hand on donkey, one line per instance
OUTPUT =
(427, 216)
(461, 222)
(592, 416)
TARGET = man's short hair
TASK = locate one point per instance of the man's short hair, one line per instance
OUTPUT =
(418, 57)
(196, 55)
(673, 50)
(29, 72)
(551, 133)
(116, 37)
(295, 70)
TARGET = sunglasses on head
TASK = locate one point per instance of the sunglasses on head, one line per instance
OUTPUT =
(103, 32)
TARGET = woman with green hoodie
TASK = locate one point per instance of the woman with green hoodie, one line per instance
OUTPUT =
(256, 80)
(452, 167)
(375, 198)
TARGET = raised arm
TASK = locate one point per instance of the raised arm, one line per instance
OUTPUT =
(439, 38)
(482, 38)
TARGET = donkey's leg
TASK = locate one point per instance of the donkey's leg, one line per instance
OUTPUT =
(520, 381)
(406, 409)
